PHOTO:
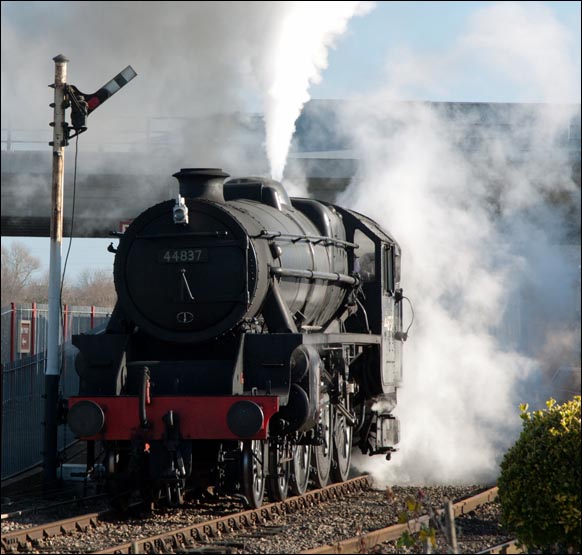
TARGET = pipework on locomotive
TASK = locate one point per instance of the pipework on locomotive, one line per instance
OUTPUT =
(256, 340)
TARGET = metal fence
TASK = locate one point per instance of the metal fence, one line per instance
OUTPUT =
(25, 327)
(23, 378)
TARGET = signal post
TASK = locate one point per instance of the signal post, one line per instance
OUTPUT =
(52, 374)
(81, 106)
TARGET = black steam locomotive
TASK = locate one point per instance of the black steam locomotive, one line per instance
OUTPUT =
(256, 338)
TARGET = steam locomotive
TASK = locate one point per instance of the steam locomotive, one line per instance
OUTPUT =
(255, 340)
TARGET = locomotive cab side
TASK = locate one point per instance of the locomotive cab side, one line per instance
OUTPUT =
(378, 373)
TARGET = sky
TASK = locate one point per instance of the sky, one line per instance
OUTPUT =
(359, 62)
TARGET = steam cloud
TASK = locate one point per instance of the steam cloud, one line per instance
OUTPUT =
(194, 82)
(205, 61)
(205, 71)
(480, 243)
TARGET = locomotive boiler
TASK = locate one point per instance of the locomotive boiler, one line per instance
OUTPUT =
(256, 339)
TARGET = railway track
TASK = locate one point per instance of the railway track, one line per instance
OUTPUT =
(17, 540)
(262, 530)
(13, 542)
(204, 531)
(365, 543)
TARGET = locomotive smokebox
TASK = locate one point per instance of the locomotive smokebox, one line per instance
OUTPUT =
(202, 183)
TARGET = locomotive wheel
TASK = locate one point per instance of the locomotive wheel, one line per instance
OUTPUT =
(254, 458)
(322, 454)
(279, 472)
(300, 470)
(342, 448)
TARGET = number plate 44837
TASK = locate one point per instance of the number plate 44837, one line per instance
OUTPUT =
(182, 256)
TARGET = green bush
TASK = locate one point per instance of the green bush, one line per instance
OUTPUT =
(539, 484)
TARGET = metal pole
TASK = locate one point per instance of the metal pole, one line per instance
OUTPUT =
(33, 331)
(12, 330)
(450, 527)
(52, 367)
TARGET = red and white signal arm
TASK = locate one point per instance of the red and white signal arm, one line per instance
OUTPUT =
(24, 336)
(123, 225)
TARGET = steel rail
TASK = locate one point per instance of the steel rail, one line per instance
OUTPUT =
(13, 541)
(42, 508)
(365, 542)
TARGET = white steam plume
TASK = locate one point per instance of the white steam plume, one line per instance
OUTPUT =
(297, 56)
(476, 231)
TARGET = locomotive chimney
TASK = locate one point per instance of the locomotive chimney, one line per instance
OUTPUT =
(204, 183)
